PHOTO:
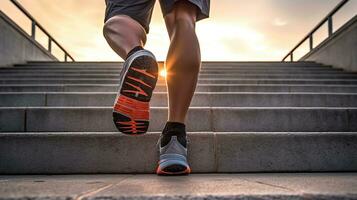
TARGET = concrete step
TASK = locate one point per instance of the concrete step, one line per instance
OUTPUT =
(222, 68)
(200, 81)
(203, 67)
(247, 186)
(216, 99)
(252, 119)
(204, 64)
(210, 75)
(210, 152)
(202, 71)
(199, 88)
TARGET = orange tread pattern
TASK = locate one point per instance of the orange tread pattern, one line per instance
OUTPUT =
(132, 108)
(135, 110)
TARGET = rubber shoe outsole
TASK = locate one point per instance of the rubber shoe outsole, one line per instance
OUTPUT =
(131, 110)
(173, 170)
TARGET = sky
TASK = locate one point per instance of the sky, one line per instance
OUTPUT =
(237, 30)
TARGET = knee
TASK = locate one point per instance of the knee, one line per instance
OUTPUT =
(185, 19)
(184, 23)
(180, 20)
(185, 15)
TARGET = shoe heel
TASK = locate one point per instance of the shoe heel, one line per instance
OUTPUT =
(173, 164)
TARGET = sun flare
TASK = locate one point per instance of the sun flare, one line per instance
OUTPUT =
(163, 73)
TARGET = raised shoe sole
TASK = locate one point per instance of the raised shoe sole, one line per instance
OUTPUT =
(131, 108)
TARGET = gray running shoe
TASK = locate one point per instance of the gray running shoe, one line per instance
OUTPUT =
(173, 158)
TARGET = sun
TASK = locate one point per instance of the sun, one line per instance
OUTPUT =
(163, 73)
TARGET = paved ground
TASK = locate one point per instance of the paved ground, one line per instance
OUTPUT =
(196, 186)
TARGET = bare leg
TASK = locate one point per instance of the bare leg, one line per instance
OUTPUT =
(183, 59)
(123, 34)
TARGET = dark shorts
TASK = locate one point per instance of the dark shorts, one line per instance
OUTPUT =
(141, 10)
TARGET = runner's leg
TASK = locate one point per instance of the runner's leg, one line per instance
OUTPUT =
(183, 59)
(126, 25)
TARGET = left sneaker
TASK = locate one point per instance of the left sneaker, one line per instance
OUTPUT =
(137, 82)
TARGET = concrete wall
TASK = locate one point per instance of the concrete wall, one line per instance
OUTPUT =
(340, 50)
(16, 46)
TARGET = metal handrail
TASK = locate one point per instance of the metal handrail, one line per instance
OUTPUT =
(34, 24)
(329, 19)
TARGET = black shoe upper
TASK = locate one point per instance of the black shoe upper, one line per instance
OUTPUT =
(173, 129)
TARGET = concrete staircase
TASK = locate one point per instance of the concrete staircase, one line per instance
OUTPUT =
(55, 118)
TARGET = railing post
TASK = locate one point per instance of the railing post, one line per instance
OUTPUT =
(33, 29)
(49, 45)
(311, 39)
(292, 57)
(65, 57)
(330, 26)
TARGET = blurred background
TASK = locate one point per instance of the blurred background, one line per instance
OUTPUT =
(237, 30)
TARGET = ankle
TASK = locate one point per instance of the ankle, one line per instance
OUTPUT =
(135, 49)
(176, 119)
(173, 129)
(175, 125)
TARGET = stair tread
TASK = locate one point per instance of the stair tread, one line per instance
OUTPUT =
(157, 133)
(99, 118)
(208, 93)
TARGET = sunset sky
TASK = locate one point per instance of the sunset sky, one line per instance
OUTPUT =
(237, 30)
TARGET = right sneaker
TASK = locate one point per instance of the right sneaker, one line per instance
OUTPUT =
(137, 81)
(173, 152)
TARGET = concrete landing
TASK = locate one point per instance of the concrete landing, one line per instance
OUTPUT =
(197, 186)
